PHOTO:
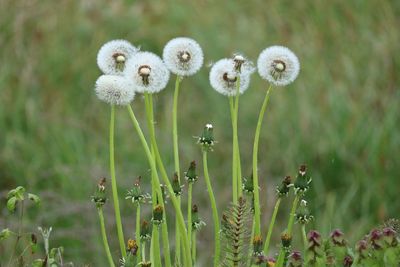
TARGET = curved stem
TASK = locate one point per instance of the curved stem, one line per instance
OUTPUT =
(176, 159)
(137, 231)
(255, 159)
(104, 236)
(214, 209)
(114, 186)
(178, 212)
(234, 155)
(271, 226)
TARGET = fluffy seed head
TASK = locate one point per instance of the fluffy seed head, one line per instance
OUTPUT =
(183, 56)
(147, 72)
(278, 65)
(114, 90)
(113, 55)
(223, 77)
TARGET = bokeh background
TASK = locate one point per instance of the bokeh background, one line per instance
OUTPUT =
(341, 116)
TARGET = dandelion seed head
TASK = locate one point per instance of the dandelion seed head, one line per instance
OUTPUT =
(242, 64)
(278, 65)
(183, 56)
(113, 55)
(147, 72)
(223, 77)
(114, 90)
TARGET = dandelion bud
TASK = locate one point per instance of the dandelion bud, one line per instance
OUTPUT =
(176, 186)
(389, 236)
(114, 90)
(286, 239)
(283, 189)
(348, 261)
(147, 72)
(158, 214)
(207, 137)
(278, 65)
(135, 194)
(99, 197)
(197, 223)
(132, 247)
(314, 244)
(337, 238)
(113, 55)
(257, 245)
(248, 186)
(183, 56)
(191, 175)
(302, 183)
(295, 260)
(303, 215)
(145, 231)
(223, 77)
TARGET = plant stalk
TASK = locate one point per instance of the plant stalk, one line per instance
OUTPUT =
(104, 236)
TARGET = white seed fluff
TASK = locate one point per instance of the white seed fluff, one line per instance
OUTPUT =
(114, 90)
(183, 56)
(113, 56)
(278, 65)
(147, 72)
(223, 77)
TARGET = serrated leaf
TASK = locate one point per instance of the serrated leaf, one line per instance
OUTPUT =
(34, 198)
(4, 234)
(11, 202)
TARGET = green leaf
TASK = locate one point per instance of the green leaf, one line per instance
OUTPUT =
(37, 263)
(19, 192)
(11, 203)
(4, 234)
(34, 198)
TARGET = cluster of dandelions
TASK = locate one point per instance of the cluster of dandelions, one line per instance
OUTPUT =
(127, 71)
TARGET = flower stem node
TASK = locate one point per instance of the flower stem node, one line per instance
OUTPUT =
(207, 137)
(303, 215)
(176, 186)
(191, 175)
(197, 223)
(145, 231)
(283, 189)
(99, 197)
(158, 214)
(303, 181)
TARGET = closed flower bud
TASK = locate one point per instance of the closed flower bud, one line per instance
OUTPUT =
(286, 239)
(337, 238)
(113, 56)
(302, 182)
(362, 248)
(348, 261)
(197, 223)
(183, 56)
(99, 197)
(376, 239)
(207, 137)
(191, 175)
(176, 186)
(114, 90)
(389, 236)
(132, 247)
(257, 245)
(135, 194)
(158, 214)
(147, 72)
(303, 215)
(295, 259)
(145, 231)
(283, 188)
(278, 65)
(248, 186)
(314, 244)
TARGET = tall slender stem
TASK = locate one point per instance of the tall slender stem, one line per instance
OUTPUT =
(234, 154)
(303, 231)
(189, 213)
(104, 236)
(114, 186)
(194, 247)
(238, 164)
(164, 227)
(137, 230)
(214, 209)
(176, 160)
(156, 253)
(178, 212)
(255, 160)
(271, 225)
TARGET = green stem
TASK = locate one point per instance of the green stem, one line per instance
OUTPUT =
(104, 236)
(144, 252)
(234, 155)
(114, 186)
(164, 229)
(194, 247)
(176, 159)
(271, 226)
(156, 253)
(137, 230)
(189, 213)
(255, 160)
(235, 132)
(281, 257)
(303, 231)
(181, 222)
(214, 209)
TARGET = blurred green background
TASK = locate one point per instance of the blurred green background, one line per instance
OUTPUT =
(341, 116)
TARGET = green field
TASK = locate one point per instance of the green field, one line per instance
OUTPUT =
(341, 116)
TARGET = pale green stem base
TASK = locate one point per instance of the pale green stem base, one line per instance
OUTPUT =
(137, 230)
(114, 186)
(104, 236)
(194, 248)
(214, 210)
(271, 226)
